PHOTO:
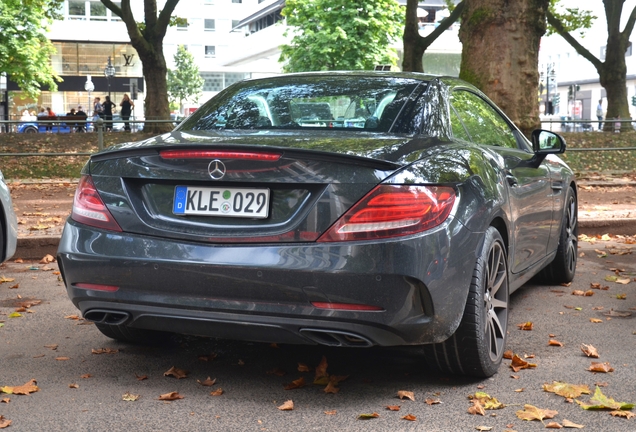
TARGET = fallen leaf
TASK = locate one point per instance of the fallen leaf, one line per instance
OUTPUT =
(476, 408)
(104, 351)
(600, 401)
(14, 315)
(626, 414)
(47, 259)
(5, 400)
(406, 394)
(217, 392)
(62, 358)
(622, 296)
(518, 363)
(553, 425)
(566, 390)
(568, 424)
(601, 367)
(207, 382)
(589, 351)
(52, 346)
(554, 342)
(409, 417)
(483, 428)
(596, 320)
(587, 293)
(531, 412)
(86, 376)
(623, 281)
(487, 401)
(276, 371)
(241, 362)
(4, 422)
(520, 390)
(176, 372)
(525, 326)
(393, 407)
(6, 279)
(302, 367)
(321, 377)
(16, 286)
(430, 401)
(18, 261)
(207, 357)
(72, 317)
(73, 386)
(170, 396)
(296, 384)
(287, 406)
(508, 354)
(129, 397)
(332, 412)
(25, 389)
(331, 388)
(368, 416)
(141, 378)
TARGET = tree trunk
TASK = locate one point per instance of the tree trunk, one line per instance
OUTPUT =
(414, 44)
(500, 54)
(156, 104)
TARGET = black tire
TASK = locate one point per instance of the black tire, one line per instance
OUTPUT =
(563, 267)
(477, 347)
(132, 335)
(30, 129)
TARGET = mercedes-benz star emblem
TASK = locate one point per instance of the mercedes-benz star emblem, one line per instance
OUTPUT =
(216, 169)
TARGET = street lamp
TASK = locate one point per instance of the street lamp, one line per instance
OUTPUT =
(109, 71)
(89, 87)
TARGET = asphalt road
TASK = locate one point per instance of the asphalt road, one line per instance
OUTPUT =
(251, 395)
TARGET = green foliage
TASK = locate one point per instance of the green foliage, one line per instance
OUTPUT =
(184, 82)
(572, 19)
(25, 51)
(341, 34)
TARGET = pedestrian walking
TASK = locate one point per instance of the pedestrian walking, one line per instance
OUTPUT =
(599, 114)
(126, 108)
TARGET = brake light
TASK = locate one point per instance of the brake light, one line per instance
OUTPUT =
(89, 209)
(393, 211)
(96, 287)
(219, 154)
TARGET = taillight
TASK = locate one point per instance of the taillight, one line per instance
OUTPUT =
(89, 209)
(219, 154)
(393, 211)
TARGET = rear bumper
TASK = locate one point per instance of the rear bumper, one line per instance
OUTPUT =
(265, 292)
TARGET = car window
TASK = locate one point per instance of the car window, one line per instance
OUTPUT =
(483, 123)
(459, 131)
(333, 102)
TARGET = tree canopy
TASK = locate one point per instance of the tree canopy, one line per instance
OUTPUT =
(184, 82)
(25, 51)
(341, 34)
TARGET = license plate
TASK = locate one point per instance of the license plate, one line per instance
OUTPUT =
(221, 201)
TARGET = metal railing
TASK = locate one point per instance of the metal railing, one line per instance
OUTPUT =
(589, 126)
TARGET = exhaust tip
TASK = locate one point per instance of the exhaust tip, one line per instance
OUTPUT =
(105, 316)
(336, 338)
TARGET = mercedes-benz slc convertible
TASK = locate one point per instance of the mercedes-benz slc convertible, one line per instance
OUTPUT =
(347, 209)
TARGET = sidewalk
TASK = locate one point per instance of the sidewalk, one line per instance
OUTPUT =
(606, 206)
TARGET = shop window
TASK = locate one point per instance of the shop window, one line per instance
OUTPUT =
(209, 24)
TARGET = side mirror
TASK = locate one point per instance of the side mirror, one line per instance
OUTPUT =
(545, 142)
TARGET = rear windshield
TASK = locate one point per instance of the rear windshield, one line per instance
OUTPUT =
(299, 102)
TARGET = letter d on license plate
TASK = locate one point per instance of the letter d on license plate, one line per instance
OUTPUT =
(220, 201)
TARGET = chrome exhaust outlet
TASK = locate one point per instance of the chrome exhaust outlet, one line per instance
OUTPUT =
(336, 338)
(105, 316)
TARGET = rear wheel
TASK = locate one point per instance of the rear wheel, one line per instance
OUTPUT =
(563, 267)
(477, 347)
(129, 334)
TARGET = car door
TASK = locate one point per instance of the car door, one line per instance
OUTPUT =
(529, 188)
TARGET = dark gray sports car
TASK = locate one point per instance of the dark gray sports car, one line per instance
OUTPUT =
(347, 209)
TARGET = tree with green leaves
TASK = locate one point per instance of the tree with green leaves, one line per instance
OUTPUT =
(341, 34)
(25, 51)
(613, 71)
(147, 39)
(414, 44)
(184, 82)
(500, 54)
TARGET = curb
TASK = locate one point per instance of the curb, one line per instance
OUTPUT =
(37, 247)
